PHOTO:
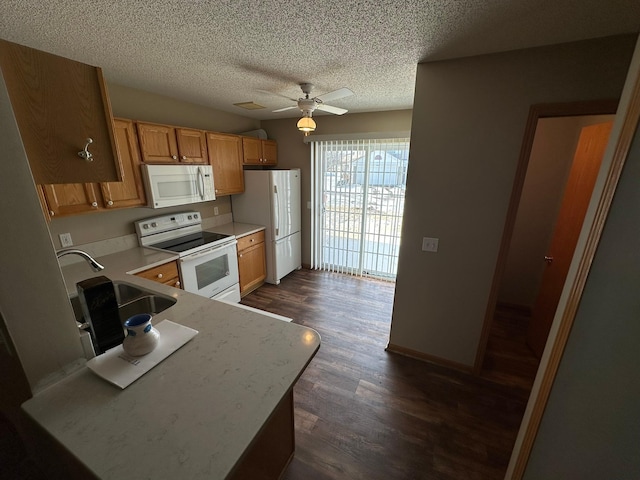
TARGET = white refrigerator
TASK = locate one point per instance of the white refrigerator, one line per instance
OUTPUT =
(272, 198)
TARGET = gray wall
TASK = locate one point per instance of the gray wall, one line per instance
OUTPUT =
(591, 425)
(468, 123)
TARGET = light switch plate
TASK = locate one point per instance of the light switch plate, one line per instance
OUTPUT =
(429, 244)
(65, 240)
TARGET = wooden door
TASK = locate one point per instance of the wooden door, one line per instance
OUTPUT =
(157, 143)
(129, 192)
(59, 103)
(225, 155)
(582, 177)
(251, 151)
(252, 268)
(192, 145)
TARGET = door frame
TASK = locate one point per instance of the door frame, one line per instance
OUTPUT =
(623, 134)
(536, 112)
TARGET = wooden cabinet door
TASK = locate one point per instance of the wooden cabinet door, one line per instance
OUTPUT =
(192, 146)
(71, 198)
(129, 192)
(251, 151)
(252, 264)
(59, 103)
(269, 152)
(157, 143)
(225, 156)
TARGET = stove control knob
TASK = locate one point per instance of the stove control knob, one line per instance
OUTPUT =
(154, 224)
(145, 226)
(195, 215)
(190, 217)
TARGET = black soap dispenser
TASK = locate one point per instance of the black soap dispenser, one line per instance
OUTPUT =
(100, 309)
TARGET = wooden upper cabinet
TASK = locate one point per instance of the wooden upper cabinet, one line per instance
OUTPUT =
(225, 156)
(59, 103)
(269, 152)
(192, 145)
(259, 152)
(61, 200)
(168, 144)
(71, 198)
(129, 192)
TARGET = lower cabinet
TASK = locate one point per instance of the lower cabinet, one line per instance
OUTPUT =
(166, 274)
(252, 264)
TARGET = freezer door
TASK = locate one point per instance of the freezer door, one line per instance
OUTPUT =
(285, 188)
(283, 257)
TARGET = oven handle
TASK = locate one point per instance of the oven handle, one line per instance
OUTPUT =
(208, 251)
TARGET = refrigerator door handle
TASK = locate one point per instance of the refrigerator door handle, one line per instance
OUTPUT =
(277, 210)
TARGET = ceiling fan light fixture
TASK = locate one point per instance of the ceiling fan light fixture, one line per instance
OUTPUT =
(306, 125)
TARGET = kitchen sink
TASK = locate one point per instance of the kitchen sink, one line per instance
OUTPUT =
(131, 301)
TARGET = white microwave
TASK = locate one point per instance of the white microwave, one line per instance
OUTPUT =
(170, 185)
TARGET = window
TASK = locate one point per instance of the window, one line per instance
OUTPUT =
(359, 188)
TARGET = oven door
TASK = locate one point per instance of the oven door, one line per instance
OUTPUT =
(210, 271)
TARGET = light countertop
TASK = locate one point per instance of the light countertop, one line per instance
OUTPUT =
(194, 414)
(237, 229)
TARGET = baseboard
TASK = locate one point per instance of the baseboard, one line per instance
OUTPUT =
(425, 357)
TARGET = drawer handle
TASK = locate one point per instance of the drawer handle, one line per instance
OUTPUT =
(159, 275)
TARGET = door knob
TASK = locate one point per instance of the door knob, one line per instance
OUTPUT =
(548, 259)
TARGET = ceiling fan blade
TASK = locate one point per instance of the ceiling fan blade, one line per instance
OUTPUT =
(336, 94)
(283, 109)
(330, 109)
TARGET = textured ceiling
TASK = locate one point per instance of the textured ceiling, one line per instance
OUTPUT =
(218, 52)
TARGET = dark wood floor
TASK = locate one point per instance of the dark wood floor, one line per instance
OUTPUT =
(363, 413)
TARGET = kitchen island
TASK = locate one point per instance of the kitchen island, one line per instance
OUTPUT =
(219, 407)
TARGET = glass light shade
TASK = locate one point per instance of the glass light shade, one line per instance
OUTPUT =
(306, 125)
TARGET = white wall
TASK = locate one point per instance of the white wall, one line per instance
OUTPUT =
(468, 122)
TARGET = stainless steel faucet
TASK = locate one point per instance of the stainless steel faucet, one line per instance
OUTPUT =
(95, 266)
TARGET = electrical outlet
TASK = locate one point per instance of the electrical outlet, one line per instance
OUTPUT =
(65, 240)
(429, 244)
(215, 210)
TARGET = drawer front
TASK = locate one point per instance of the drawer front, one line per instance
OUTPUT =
(249, 240)
(162, 273)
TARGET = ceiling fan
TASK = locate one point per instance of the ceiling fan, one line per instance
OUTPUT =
(308, 105)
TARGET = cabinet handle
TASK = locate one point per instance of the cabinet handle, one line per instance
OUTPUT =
(85, 153)
(252, 240)
(184, 157)
(175, 157)
(110, 203)
(159, 275)
(177, 284)
(51, 212)
(94, 204)
(240, 256)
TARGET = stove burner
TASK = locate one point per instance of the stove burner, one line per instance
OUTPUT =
(189, 242)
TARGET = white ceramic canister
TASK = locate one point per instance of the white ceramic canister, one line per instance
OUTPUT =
(141, 337)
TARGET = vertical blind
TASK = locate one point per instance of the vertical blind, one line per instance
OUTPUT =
(357, 205)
